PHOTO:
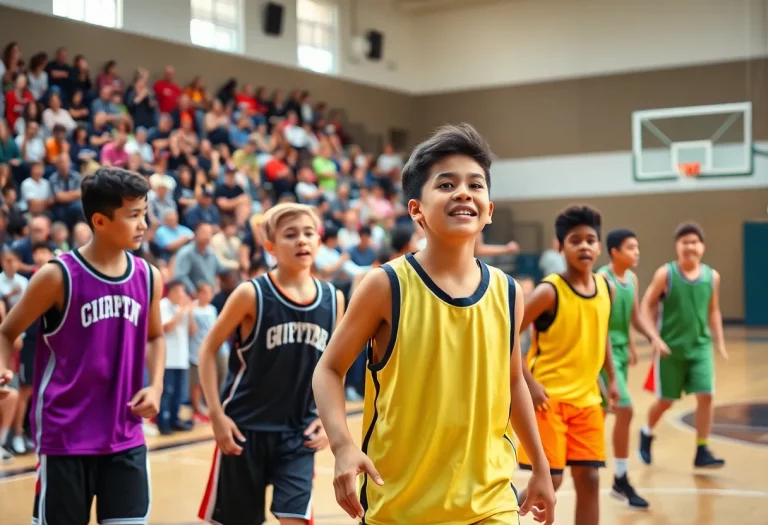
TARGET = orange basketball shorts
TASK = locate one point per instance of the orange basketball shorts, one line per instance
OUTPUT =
(571, 436)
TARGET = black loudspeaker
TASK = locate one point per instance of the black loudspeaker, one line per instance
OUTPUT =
(376, 44)
(273, 18)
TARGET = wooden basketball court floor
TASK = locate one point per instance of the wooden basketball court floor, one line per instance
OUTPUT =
(738, 493)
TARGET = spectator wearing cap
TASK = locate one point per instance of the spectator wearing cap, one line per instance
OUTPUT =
(203, 211)
(171, 235)
(65, 183)
(160, 199)
(196, 261)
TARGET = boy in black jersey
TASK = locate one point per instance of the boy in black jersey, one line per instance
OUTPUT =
(267, 429)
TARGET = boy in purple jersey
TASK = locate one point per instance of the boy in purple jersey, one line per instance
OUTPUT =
(100, 318)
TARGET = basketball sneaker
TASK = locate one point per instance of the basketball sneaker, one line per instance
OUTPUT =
(705, 458)
(624, 491)
(645, 447)
(5, 455)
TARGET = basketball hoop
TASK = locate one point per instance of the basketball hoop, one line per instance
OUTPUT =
(689, 169)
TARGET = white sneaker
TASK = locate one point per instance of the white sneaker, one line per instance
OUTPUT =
(5, 455)
(18, 446)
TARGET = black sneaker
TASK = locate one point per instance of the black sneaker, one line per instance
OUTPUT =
(645, 448)
(705, 459)
(625, 492)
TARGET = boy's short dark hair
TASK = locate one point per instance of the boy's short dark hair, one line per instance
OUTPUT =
(460, 139)
(365, 230)
(104, 191)
(401, 236)
(616, 238)
(574, 216)
(687, 228)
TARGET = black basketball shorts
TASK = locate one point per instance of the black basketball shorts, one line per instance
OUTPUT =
(66, 486)
(236, 488)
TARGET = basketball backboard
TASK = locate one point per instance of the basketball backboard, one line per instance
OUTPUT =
(717, 137)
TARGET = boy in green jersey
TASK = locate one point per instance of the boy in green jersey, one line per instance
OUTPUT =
(689, 317)
(624, 251)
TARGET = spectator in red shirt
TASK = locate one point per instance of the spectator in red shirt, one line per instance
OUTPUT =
(16, 99)
(167, 92)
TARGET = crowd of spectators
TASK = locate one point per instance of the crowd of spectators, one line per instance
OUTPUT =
(216, 160)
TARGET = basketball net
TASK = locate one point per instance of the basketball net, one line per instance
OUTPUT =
(689, 169)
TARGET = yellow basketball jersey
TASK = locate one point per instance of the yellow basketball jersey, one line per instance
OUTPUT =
(568, 352)
(436, 414)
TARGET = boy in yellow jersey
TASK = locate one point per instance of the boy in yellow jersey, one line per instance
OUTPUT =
(444, 374)
(570, 313)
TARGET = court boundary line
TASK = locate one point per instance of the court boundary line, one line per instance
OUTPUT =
(23, 473)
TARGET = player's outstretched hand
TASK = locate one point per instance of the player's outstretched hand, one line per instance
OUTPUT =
(146, 402)
(539, 397)
(350, 461)
(659, 347)
(540, 498)
(315, 436)
(6, 376)
(225, 430)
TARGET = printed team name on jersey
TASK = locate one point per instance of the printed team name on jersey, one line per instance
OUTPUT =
(110, 306)
(290, 333)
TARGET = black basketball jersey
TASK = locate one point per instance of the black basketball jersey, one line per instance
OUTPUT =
(269, 384)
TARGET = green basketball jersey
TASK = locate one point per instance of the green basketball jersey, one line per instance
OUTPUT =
(685, 312)
(621, 307)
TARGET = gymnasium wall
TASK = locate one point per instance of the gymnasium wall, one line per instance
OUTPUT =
(169, 20)
(530, 41)
(370, 111)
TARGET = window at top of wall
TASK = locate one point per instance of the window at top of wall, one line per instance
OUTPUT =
(107, 13)
(217, 24)
(317, 35)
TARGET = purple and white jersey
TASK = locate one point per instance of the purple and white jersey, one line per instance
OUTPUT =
(89, 361)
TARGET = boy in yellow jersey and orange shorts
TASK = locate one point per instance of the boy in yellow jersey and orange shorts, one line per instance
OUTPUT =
(570, 314)
(445, 377)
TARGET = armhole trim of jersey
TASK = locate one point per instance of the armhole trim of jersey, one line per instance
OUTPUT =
(150, 281)
(334, 308)
(52, 319)
(248, 342)
(549, 319)
(512, 298)
(668, 286)
(394, 285)
(608, 288)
